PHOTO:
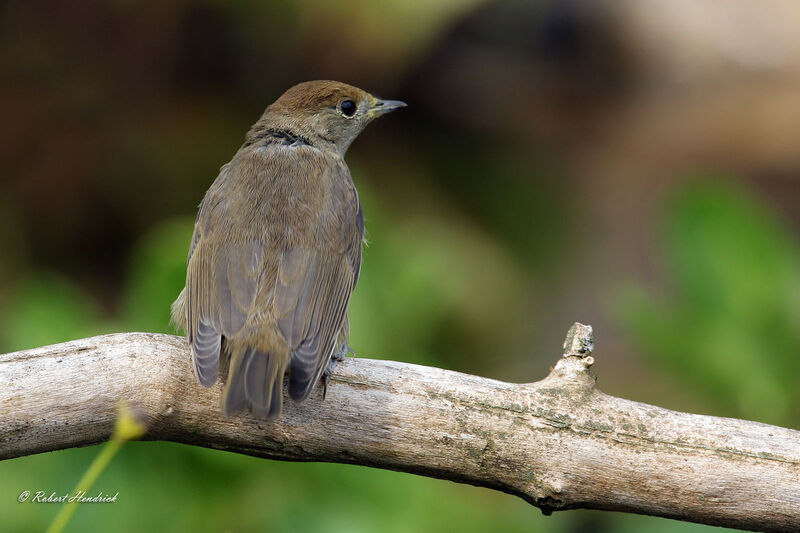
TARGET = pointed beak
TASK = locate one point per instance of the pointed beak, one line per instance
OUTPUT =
(381, 107)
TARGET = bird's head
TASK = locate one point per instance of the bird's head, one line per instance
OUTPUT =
(328, 111)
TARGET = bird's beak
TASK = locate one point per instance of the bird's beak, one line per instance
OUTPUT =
(381, 107)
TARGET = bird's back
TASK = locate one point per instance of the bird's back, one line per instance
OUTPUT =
(274, 284)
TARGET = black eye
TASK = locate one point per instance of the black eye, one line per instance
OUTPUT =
(348, 108)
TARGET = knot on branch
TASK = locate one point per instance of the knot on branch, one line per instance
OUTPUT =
(549, 496)
(579, 342)
(577, 357)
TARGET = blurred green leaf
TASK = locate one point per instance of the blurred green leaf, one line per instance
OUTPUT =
(729, 322)
(157, 273)
(46, 308)
(426, 274)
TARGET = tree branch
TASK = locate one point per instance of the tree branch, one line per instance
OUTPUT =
(558, 443)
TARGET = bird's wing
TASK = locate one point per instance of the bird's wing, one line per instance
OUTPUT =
(312, 292)
(221, 286)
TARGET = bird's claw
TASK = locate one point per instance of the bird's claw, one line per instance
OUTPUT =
(338, 355)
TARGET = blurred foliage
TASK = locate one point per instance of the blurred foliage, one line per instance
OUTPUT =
(728, 325)
(418, 293)
(157, 271)
(45, 308)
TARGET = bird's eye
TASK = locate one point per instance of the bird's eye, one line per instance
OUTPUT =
(348, 108)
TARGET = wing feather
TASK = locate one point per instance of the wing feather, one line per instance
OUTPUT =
(205, 349)
(219, 304)
(311, 296)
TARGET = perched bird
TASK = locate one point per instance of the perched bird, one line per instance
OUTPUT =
(276, 250)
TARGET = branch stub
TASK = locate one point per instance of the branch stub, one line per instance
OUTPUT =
(579, 341)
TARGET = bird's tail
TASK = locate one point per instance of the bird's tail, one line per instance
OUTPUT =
(255, 382)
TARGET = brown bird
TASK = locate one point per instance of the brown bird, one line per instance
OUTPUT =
(276, 250)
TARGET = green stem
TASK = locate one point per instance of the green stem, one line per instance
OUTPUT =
(89, 477)
(126, 428)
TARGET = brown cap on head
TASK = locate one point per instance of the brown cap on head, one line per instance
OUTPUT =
(319, 94)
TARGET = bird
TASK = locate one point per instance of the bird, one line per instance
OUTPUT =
(276, 251)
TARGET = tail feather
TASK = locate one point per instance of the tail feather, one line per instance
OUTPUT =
(255, 382)
(234, 399)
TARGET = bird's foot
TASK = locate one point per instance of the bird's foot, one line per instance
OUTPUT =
(338, 355)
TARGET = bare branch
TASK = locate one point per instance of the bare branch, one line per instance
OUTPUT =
(558, 443)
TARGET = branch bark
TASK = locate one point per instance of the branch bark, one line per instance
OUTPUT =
(558, 443)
